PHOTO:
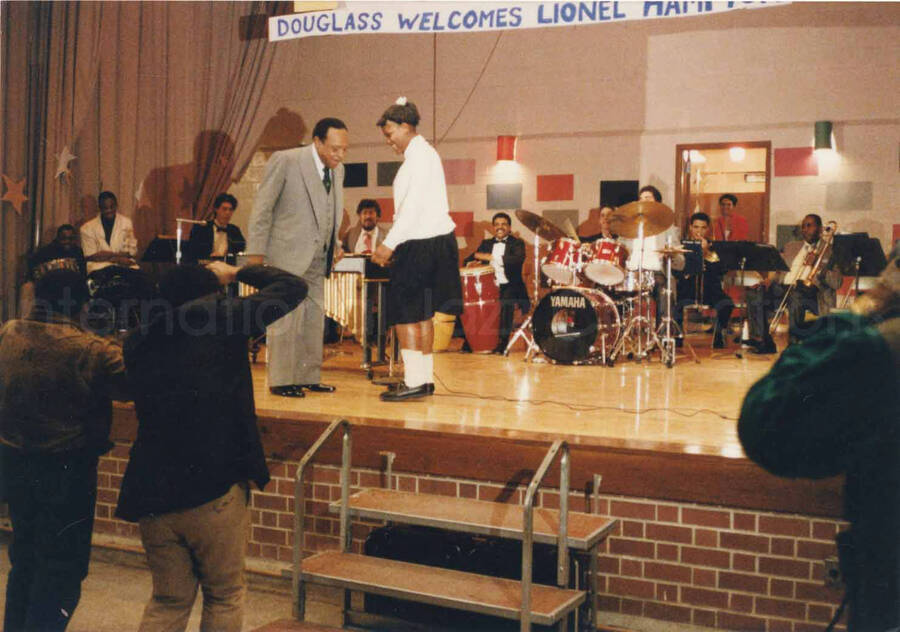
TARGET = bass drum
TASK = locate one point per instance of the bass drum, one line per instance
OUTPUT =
(573, 324)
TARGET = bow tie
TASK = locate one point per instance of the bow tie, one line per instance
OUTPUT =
(500, 241)
(219, 229)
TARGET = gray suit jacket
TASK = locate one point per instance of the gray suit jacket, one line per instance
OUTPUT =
(290, 206)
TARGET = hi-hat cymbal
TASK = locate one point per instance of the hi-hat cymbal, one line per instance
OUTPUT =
(654, 216)
(537, 224)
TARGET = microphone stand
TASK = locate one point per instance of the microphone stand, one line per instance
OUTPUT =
(178, 222)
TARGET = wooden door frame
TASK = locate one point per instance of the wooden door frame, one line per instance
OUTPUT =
(681, 204)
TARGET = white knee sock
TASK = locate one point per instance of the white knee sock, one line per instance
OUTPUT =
(412, 367)
(428, 368)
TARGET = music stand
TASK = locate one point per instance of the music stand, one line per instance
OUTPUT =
(163, 249)
(748, 255)
(857, 255)
(693, 266)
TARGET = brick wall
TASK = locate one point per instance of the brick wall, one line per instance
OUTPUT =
(684, 563)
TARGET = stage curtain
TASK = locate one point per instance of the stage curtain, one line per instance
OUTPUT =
(157, 101)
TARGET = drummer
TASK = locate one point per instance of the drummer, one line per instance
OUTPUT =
(652, 260)
(505, 253)
(598, 220)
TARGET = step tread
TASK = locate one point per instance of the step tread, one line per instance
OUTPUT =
(293, 625)
(438, 586)
(476, 516)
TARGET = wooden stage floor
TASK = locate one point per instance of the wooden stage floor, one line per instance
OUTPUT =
(689, 409)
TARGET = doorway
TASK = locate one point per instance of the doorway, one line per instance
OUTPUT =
(706, 171)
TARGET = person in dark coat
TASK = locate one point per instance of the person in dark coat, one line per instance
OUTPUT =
(218, 238)
(832, 406)
(506, 254)
(198, 445)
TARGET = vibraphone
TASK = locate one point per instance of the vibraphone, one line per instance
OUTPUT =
(355, 297)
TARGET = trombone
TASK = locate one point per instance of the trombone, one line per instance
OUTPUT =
(815, 262)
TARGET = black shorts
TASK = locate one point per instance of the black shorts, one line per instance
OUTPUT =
(424, 280)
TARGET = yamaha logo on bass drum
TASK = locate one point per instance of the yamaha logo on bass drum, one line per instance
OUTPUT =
(566, 301)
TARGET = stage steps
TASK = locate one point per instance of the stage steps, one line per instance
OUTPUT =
(292, 625)
(439, 586)
(476, 516)
(328, 586)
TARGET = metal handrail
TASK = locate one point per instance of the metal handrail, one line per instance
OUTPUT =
(297, 589)
(562, 550)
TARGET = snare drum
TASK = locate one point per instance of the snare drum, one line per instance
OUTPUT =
(632, 283)
(481, 308)
(563, 263)
(575, 324)
(605, 262)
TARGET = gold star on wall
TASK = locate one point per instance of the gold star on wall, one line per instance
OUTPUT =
(14, 193)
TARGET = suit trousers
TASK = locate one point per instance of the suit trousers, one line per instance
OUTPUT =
(202, 546)
(508, 303)
(762, 303)
(294, 342)
(51, 505)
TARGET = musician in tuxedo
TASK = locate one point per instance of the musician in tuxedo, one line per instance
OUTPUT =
(705, 287)
(218, 238)
(366, 235)
(505, 253)
(108, 239)
(293, 226)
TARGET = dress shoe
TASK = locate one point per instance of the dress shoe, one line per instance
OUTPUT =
(288, 390)
(318, 388)
(763, 348)
(404, 392)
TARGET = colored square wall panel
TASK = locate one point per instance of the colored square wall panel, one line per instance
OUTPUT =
(504, 196)
(796, 161)
(785, 233)
(558, 187)
(459, 171)
(356, 174)
(386, 173)
(387, 209)
(618, 192)
(464, 221)
(848, 196)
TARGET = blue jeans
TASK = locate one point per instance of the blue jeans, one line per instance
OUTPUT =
(51, 500)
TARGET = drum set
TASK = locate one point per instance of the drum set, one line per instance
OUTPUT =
(596, 310)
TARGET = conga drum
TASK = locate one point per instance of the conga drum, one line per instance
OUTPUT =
(481, 308)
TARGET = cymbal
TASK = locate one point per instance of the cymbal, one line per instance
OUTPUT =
(537, 224)
(655, 217)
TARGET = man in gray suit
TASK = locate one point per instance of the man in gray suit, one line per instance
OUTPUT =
(294, 226)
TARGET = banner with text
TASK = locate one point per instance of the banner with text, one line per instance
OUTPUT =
(472, 17)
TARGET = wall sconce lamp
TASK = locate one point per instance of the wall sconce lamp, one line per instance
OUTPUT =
(506, 148)
(823, 136)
